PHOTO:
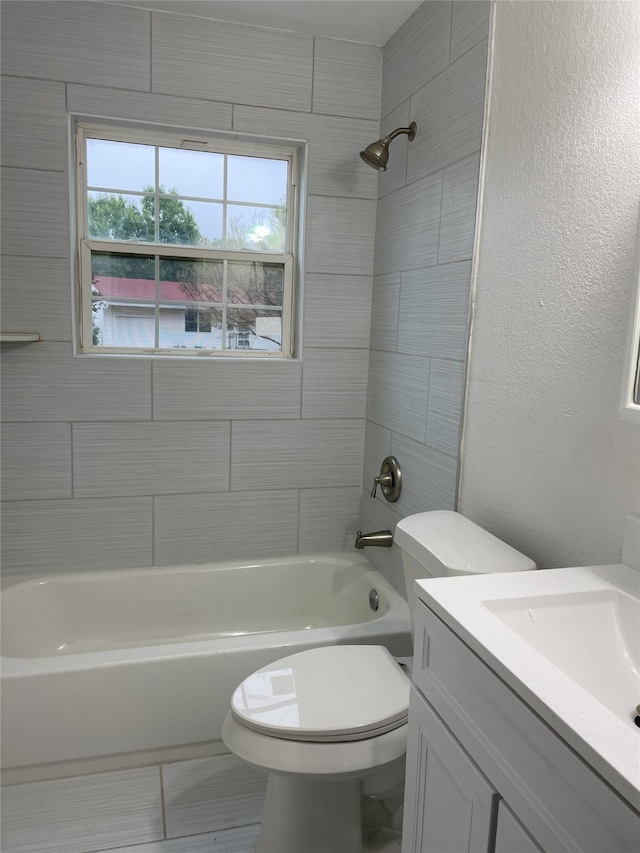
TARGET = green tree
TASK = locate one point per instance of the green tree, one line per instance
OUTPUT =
(112, 217)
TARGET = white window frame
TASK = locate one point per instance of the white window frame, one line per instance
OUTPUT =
(195, 141)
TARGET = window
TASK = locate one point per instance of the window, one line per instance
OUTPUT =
(185, 245)
(196, 320)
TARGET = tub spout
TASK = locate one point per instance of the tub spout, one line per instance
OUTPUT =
(381, 538)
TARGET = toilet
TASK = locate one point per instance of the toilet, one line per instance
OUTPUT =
(329, 724)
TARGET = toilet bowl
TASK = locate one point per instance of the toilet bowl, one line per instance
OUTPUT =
(329, 725)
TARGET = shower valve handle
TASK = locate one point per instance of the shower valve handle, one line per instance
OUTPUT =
(382, 480)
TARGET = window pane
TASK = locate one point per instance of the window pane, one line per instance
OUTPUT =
(183, 327)
(115, 278)
(121, 217)
(255, 283)
(197, 280)
(260, 229)
(190, 223)
(264, 328)
(120, 165)
(119, 275)
(194, 173)
(257, 180)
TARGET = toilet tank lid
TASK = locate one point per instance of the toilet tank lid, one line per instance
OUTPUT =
(461, 546)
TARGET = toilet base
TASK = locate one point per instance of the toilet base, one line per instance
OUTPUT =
(303, 816)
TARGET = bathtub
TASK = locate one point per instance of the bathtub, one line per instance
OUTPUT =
(133, 662)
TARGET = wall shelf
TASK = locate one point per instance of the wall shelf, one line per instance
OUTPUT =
(19, 337)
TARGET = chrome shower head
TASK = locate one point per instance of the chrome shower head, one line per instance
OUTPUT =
(376, 155)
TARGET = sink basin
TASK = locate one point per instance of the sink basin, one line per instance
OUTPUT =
(593, 637)
(567, 642)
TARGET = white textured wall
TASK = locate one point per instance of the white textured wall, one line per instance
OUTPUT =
(125, 462)
(546, 463)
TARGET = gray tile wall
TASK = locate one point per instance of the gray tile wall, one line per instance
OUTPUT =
(127, 462)
(434, 74)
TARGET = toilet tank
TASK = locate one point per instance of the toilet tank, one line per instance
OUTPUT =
(444, 543)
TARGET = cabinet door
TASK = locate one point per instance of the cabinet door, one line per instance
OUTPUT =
(449, 804)
(511, 836)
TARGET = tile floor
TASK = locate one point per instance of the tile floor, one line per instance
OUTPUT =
(209, 805)
(206, 805)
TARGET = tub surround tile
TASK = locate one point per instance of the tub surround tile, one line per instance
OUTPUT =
(43, 382)
(35, 35)
(346, 78)
(44, 282)
(337, 310)
(41, 537)
(446, 399)
(334, 383)
(450, 110)
(241, 839)
(381, 515)
(398, 393)
(432, 481)
(226, 390)
(83, 813)
(328, 519)
(398, 247)
(385, 305)
(332, 147)
(469, 25)
(434, 311)
(377, 446)
(150, 458)
(295, 454)
(35, 212)
(416, 53)
(149, 106)
(211, 794)
(340, 235)
(33, 124)
(458, 216)
(36, 461)
(195, 57)
(229, 526)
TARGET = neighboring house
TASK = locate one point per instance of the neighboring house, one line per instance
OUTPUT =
(124, 321)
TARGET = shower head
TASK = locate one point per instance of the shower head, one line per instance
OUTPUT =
(376, 155)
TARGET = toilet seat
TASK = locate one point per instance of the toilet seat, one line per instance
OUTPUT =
(325, 695)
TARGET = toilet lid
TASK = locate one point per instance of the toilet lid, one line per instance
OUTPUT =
(333, 693)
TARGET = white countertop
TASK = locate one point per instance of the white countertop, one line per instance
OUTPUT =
(611, 745)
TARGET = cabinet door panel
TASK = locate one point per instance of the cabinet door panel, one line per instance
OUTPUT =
(449, 805)
(511, 836)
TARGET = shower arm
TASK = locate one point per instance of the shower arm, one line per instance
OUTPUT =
(410, 131)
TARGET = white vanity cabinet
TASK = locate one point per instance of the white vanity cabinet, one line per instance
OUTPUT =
(486, 774)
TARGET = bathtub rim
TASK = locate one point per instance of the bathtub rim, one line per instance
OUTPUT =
(391, 622)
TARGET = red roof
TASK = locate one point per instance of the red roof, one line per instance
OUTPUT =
(144, 288)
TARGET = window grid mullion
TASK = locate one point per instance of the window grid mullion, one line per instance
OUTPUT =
(156, 197)
(225, 270)
(156, 309)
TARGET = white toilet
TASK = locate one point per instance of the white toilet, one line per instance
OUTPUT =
(330, 724)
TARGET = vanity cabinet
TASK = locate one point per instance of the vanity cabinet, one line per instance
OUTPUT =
(486, 774)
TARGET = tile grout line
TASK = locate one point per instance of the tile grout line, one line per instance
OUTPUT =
(162, 803)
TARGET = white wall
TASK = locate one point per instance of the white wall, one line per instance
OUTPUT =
(434, 74)
(125, 462)
(546, 463)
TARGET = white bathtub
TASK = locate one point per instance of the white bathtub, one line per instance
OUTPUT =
(105, 663)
